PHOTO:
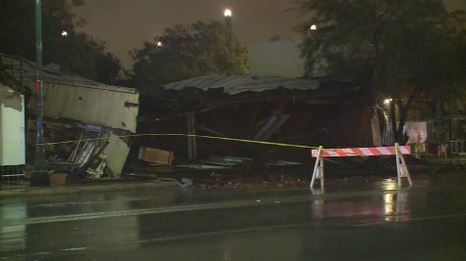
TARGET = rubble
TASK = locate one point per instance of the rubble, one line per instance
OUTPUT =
(87, 115)
(96, 152)
(115, 154)
(298, 111)
(97, 166)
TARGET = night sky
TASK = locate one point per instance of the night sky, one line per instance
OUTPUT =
(125, 24)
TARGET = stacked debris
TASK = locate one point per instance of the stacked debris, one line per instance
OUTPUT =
(88, 115)
(94, 152)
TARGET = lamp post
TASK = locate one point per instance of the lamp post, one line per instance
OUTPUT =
(39, 177)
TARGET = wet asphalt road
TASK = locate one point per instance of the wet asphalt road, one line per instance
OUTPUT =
(348, 222)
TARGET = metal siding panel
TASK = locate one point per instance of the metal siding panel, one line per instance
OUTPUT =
(97, 106)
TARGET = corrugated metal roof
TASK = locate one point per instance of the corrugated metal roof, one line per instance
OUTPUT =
(238, 84)
(27, 70)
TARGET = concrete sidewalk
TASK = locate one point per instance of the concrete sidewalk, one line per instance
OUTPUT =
(23, 190)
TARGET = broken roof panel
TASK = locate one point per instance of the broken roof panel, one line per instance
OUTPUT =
(233, 85)
(25, 70)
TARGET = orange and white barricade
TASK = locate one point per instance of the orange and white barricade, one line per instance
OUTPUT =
(398, 151)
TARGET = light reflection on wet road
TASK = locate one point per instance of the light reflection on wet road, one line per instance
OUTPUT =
(426, 222)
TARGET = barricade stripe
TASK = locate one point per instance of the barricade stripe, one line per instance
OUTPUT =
(364, 152)
(405, 149)
(341, 153)
(349, 151)
(384, 151)
(358, 151)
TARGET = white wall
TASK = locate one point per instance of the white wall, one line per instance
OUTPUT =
(12, 134)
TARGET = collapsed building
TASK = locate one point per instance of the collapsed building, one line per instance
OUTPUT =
(323, 111)
(86, 115)
(92, 121)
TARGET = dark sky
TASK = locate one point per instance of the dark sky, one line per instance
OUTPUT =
(125, 24)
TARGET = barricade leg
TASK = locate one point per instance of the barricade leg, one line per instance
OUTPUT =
(318, 172)
(401, 168)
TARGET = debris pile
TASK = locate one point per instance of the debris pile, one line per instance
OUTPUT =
(329, 112)
(97, 152)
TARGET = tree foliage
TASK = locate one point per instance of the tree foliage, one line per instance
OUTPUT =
(77, 53)
(189, 51)
(405, 47)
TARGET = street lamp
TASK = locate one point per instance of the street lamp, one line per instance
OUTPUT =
(39, 176)
(227, 13)
(159, 41)
(313, 27)
(64, 33)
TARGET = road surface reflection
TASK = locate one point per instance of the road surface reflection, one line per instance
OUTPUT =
(390, 206)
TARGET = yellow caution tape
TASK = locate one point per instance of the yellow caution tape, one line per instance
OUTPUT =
(187, 135)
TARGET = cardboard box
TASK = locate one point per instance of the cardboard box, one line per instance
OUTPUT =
(59, 179)
(156, 156)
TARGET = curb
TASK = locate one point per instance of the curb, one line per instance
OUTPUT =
(77, 189)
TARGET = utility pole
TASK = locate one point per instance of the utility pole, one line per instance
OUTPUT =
(40, 175)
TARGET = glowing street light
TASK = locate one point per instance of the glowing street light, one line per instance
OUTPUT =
(159, 41)
(64, 33)
(313, 27)
(227, 13)
(387, 101)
